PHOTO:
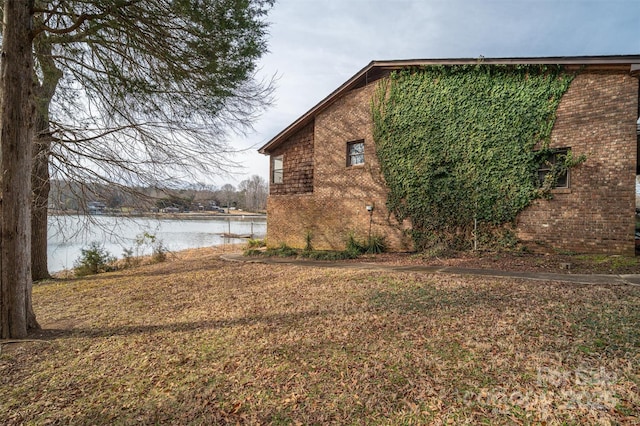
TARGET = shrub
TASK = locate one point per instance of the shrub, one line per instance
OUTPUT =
(282, 251)
(253, 252)
(93, 260)
(255, 243)
(129, 259)
(327, 255)
(159, 252)
(354, 248)
(143, 243)
(285, 251)
(339, 255)
(146, 241)
(307, 241)
(376, 244)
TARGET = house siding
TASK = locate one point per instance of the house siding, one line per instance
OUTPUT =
(596, 117)
(337, 205)
(297, 152)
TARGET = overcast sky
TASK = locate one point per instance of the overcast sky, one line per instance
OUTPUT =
(316, 45)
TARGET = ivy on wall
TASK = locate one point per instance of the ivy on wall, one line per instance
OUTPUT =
(456, 144)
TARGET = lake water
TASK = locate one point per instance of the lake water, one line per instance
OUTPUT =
(69, 234)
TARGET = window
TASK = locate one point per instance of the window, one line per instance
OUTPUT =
(355, 153)
(553, 163)
(277, 169)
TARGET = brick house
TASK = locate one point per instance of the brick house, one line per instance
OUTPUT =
(325, 178)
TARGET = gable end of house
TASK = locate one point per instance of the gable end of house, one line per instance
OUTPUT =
(327, 181)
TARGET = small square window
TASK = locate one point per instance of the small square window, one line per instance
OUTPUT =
(355, 153)
(277, 169)
(548, 165)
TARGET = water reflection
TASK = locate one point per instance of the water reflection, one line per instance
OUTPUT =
(69, 234)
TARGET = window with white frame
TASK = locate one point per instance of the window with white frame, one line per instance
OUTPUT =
(355, 153)
(277, 169)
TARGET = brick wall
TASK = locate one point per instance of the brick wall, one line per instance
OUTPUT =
(337, 206)
(597, 117)
(297, 152)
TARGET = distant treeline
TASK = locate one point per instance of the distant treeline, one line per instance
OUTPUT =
(66, 197)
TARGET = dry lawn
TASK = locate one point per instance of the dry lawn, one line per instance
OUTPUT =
(200, 341)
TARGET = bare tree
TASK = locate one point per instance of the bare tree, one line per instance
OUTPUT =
(16, 114)
(228, 195)
(141, 93)
(255, 191)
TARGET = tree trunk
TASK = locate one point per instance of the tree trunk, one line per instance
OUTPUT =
(40, 208)
(16, 113)
(40, 178)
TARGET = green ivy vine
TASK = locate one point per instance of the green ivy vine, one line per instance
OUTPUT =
(456, 145)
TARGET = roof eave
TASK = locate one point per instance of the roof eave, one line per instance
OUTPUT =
(628, 60)
(306, 118)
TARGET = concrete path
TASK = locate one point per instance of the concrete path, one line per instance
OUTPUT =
(630, 279)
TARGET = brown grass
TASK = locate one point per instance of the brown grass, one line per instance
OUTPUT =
(201, 341)
(562, 263)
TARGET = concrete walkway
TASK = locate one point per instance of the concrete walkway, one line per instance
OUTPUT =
(630, 279)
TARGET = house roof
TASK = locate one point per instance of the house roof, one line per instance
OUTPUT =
(376, 70)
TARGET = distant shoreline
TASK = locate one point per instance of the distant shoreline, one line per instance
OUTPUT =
(182, 216)
(71, 233)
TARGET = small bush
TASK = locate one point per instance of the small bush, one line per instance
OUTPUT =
(373, 245)
(253, 252)
(307, 241)
(159, 252)
(129, 259)
(255, 243)
(285, 251)
(282, 251)
(354, 248)
(376, 245)
(93, 260)
(326, 255)
(143, 243)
